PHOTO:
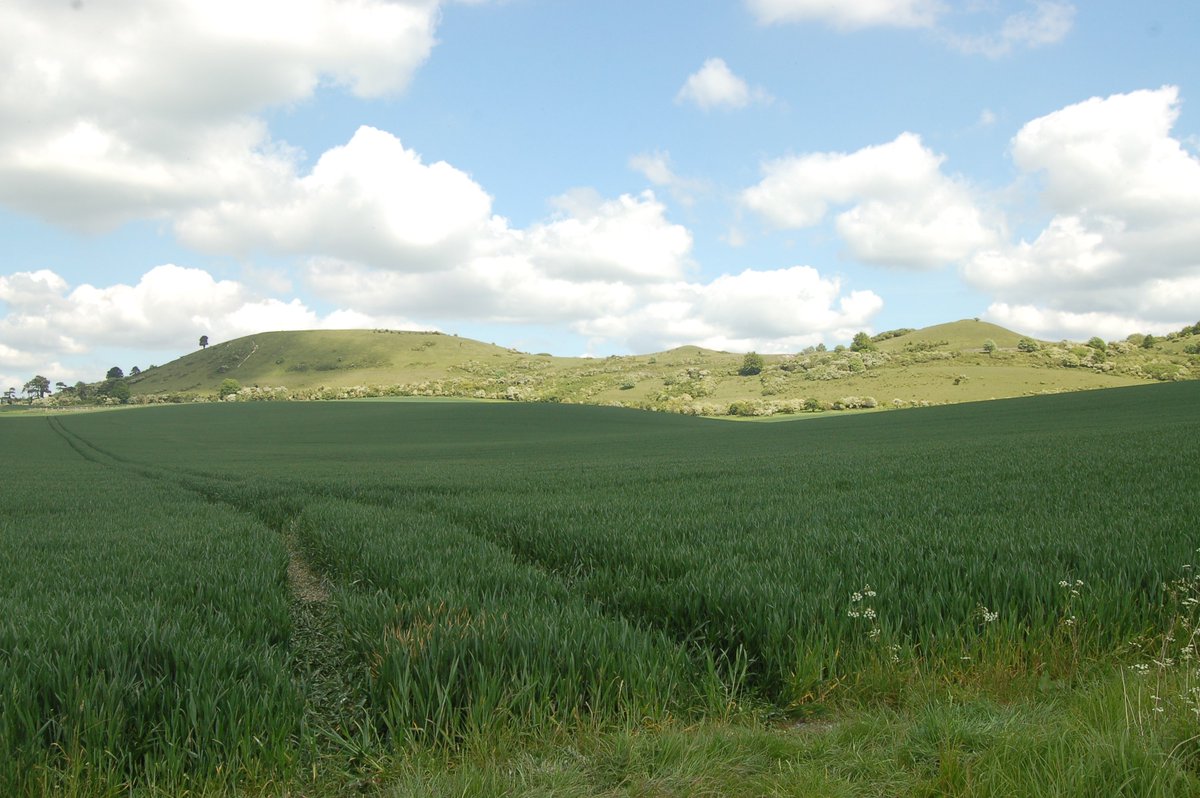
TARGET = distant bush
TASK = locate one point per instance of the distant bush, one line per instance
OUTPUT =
(861, 343)
(1166, 372)
(229, 387)
(1028, 345)
(752, 364)
(989, 346)
(924, 346)
(883, 336)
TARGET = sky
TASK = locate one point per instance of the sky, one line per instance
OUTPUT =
(590, 177)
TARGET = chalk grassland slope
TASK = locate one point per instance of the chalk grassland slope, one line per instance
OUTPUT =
(497, 572)
(942, 364)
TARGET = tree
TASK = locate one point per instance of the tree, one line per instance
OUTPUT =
(133, 372)
(114, 373)
(120, 391)
(228, 388)
(1028, 345)
(1097, 343)
(115, 389)
(862, 343)
(203, 341)
(38, 387)
(10, 396)
(1149, 341)
(752, 364)
(989, 346)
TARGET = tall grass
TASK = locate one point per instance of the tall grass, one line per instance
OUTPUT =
(531, 567)
(144, 633)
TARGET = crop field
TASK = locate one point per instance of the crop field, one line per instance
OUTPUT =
(244, 597)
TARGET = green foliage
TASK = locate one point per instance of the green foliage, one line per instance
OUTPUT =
(501, 569)
(989, 346)
(228, 387)
(1028, 345)
(752, 364)
(889, 334)
(1097, 343)
(116, 389)
(1149, 342)
(203, 341)
(114, 373)
(862, 343)
(143, 638)
(37, 387)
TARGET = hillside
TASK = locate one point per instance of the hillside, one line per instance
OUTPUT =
(945, 363)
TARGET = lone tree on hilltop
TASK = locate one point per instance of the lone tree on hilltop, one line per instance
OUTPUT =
(752, 364)
(38, 387)
(114, 373)
(203, 341)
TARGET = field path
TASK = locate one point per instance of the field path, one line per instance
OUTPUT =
(306, 586)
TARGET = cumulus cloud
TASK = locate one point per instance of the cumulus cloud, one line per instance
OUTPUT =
(848, 15)
(626, 239)
(169, 307)
(904, 211)
(714, 86)
(767, 310)
(612, 270)
(1121, 247)
(118, 110)
(370, 200)
(781, 310)
(590, 256)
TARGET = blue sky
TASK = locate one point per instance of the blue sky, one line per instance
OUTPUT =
(589, 177)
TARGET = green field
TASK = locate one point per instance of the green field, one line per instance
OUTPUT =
(423, 598)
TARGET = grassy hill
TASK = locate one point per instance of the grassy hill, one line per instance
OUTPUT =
(942, 364)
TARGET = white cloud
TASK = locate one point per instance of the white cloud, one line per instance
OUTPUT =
(626, 239)
(1046, 22)
(714, 86)
(849, 14)
(369, 200)
(1122, 248)
(588, 258)
(1114, 156)
(123, 109)
(1058, 325)
(168, 308)
(780, 310)
(904, 212)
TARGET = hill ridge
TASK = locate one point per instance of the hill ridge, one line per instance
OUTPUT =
(939, 364)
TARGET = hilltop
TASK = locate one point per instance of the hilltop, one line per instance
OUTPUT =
(966, 360)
